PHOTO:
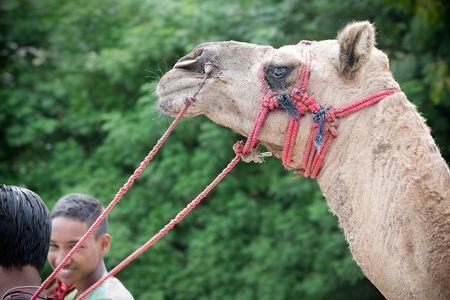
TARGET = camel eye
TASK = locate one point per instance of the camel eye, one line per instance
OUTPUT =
(278, 72)
(275, 76)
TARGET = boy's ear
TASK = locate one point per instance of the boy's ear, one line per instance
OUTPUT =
(105, 243)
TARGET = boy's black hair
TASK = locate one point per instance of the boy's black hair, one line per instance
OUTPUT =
(83, 208)
(25, 228)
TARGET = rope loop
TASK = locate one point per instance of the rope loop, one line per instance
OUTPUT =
(310, 103)
(238, 147)
(296, 95)
(330, 116)
(286, 102)
(189, 101)
(332, 128)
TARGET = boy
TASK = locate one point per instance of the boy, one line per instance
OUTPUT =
(72, 216)
(25, 229)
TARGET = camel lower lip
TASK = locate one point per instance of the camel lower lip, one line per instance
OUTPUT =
(167, 93)
(186, 87)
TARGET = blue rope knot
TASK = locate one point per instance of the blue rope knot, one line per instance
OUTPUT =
(319, 117)
(285, 102)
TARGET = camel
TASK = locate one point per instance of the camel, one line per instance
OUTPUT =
(383, 175)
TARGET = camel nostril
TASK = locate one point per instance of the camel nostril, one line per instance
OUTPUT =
(186, 64)
(209, 66)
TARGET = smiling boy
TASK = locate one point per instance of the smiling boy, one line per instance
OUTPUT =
(72, 216)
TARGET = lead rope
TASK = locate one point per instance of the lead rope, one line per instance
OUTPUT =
(249, 154)
(188, 102)
(239, 155)
(165, 229)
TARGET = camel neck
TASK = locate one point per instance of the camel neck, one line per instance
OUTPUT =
(390, 196)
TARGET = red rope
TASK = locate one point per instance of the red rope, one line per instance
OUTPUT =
(238, 148)
(252, 137)
(312, 159)
(297, 95)
(314, 154)
(263, 83)
(289, 142)
(303, 82)
(363, 103)
(116, 199)
(268, 103)
(166, 228)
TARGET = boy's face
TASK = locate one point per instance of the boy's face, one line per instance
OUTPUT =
(86, 265)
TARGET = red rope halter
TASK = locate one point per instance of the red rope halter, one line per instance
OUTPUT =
(325, 123)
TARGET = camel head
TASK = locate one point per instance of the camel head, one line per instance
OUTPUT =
(342, 71)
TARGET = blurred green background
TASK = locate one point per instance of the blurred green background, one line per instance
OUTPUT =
(77, 115)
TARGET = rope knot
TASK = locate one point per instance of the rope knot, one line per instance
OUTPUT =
(253, 155)
(319, 116)
(238, 147)
(189, 101)
(319, 119)
(332, 128)
(330, 116)
(286, 102)
(297, 96)
(270, 101)
(310, 103)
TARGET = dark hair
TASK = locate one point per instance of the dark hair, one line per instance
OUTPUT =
(81, 207)
(25, 228)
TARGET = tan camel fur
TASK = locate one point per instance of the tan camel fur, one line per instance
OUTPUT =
(383, 176)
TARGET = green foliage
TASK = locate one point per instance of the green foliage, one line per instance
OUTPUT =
(77, 115)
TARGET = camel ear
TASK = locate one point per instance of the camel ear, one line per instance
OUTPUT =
(356, 41)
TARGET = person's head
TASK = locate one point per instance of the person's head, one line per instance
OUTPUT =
(83, 208)
(25, 229)
(72, 216)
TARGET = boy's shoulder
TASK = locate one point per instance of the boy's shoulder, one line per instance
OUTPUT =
(111, 289)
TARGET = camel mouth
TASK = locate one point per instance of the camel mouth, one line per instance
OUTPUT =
(167, 109)
(171, 100)
(162, 92)
(185, 86)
